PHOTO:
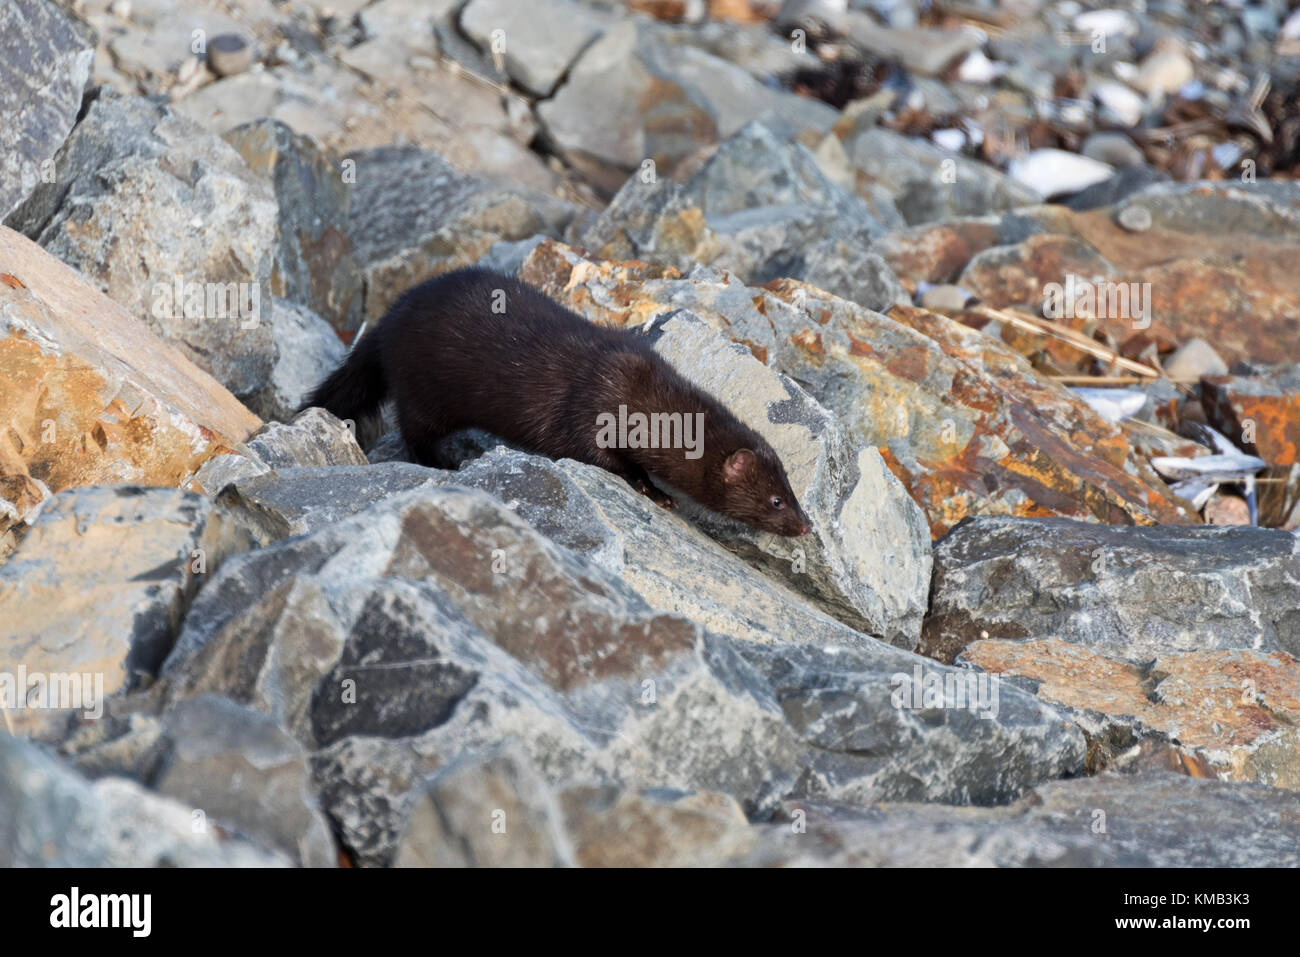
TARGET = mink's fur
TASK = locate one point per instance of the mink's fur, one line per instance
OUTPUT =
(538, 375)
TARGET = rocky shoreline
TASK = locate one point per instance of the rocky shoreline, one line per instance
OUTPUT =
(1012, 290)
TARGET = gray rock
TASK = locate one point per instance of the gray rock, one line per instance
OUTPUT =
(928, 183)
(424, 629)
(927, 52)
(144, 200)
(541, 39)
(769, 212)
(50, 816)
(237, 767)
(45, 59)
(313, 438)
(485, 810)
(306, 351)
(99, 585)
(1131, 592)
(1106, 821)
(630, 98)
(457, 219)
(296, 500)
(314, 264)
(1114, 149)
(1193, 359)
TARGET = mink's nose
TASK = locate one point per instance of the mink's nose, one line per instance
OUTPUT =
(805, 529)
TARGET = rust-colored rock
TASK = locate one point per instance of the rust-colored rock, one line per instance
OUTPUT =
(1233, 711)
(90, 394)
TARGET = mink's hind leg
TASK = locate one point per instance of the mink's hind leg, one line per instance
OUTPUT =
(422, 436)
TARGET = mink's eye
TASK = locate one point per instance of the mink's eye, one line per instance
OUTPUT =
(776, 502)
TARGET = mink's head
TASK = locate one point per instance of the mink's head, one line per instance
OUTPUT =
(756, 491)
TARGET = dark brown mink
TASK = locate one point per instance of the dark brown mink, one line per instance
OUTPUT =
(475, 349)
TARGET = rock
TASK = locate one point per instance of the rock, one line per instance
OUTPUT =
(1108, 820)
(447, 658)
(306, 351)
(540, 41)
(91, 395)
(937, 253)
(1227, 510)
(1227, 714)
(1261, 414)
(493, 809)
(314, 263)
(50, 816)
(1119, 104)
(1113, 149)
(488, 810)
(1193, 359)
(1051, 172)
(928, 52)
(928, 183)
(171, 224)
(240, 771)
(945, 298)
(630, 98)
(760, 208)
(296, 500)
(457, 220)
(1136, 219)
(1124, 183)
(1165, 70)
(1217, 589)
(229, 53)
(1218, 258)
(314, 437)
(45, 59)
(97, 590)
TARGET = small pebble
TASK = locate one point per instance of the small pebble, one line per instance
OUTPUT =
(1134, 218)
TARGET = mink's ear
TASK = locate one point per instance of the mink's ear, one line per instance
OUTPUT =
(739, 464)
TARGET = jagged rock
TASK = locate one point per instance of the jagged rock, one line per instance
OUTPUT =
(45, 59)
(761, 208)
(540, 39)
(1229, 714)
(490, 810)
(91, 395)
(388, 644)
(1215, 588)
(928, 183)
(1260, 413)
(312, 438)
(50, 816)
(306, 351)
(242, 772)
(455, 222)
(928, 52)
(314, 264)
(98, 588)
(170, 223)
(631, 98)
(1109, 820)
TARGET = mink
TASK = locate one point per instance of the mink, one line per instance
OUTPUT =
(476, 349)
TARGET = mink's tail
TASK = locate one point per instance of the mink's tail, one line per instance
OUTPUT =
(356, 389)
